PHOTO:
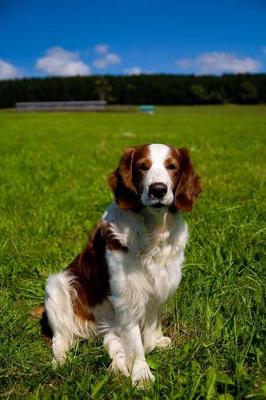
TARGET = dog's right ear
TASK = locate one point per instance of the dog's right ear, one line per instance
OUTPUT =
(121, 183)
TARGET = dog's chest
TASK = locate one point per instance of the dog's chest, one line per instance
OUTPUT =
(150, 270)
(153, 247)
(154, 258)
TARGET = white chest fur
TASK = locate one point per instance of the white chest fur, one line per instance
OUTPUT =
(150, 271)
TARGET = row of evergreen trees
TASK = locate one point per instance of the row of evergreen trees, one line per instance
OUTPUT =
(142, 89)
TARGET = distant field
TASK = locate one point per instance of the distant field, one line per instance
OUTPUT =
(53, 170)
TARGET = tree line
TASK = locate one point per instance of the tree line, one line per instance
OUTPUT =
(164, 89)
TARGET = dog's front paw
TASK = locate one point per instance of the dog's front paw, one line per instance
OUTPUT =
(163, 342)
(119, 365)
(141, 374)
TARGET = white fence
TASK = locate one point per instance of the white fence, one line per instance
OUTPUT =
(92, 105)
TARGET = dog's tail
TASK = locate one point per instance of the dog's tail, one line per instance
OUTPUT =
(38, 311)
(46, 331)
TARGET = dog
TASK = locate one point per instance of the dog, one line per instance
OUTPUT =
(118, 284)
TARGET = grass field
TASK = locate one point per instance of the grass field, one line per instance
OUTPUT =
(53, 170)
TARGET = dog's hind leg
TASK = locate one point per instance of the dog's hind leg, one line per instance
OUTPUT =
(60, 344)
(60, 314)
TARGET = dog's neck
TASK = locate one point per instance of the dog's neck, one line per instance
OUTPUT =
(156, 220)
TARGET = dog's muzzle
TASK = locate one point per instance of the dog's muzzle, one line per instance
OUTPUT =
(157, 190)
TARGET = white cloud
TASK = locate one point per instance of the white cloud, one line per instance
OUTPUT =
(184, 63)
(8, 71)
(101, 48)
(61, 62)
(112, 58)
(218, 63)
(133, 71)
(106, 60)
(100, 63)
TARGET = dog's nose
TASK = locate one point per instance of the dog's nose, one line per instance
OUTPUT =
(157, 190)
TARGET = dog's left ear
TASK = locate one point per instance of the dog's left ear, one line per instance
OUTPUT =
(188, 186)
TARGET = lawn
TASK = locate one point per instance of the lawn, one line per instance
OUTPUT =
(53, 170)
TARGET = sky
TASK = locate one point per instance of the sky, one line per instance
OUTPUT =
(83, 37)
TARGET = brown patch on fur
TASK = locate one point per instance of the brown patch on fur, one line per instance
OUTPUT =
(121, 183)
(91, 277)
(81, 309)
(126, 180)
(172, 164)
(141, 165)
(90, 271)
(111, 241)
(38, 311)
(186, 181)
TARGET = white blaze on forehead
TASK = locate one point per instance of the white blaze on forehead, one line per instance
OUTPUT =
(157, 173)
(158, 153)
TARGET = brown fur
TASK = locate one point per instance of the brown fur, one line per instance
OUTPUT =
(38, 311)
(90, 271)
(91, 278)
(188, 184)
(126, 179)
(112, 243)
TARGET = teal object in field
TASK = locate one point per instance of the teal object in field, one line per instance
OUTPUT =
(148, 109)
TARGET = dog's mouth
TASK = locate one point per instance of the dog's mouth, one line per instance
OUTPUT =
(158, 205)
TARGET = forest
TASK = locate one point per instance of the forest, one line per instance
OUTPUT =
(159, 89)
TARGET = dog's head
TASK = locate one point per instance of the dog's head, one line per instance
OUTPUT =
(156, 176)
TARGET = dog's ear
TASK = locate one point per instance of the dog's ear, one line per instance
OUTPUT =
(121, 181)
(188, 186)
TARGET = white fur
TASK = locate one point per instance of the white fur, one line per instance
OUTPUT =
(141, 280)
(59, 298)
(157, 173)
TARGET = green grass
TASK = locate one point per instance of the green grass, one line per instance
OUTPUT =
(53, 170)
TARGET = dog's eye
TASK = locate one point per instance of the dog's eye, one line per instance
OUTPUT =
(143, 167)
(171, 166)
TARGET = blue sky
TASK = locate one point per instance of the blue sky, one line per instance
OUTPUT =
(70, 37)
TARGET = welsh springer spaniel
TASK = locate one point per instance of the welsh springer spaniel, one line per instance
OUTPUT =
(131, 264)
